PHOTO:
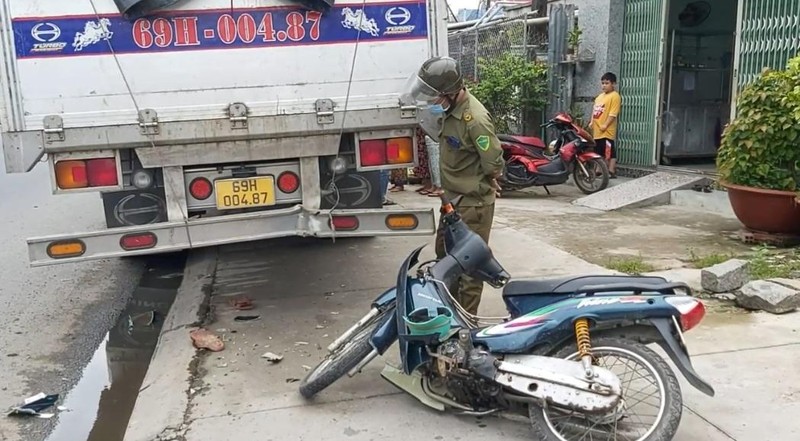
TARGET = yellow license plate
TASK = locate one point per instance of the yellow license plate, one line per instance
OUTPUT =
(245, 193)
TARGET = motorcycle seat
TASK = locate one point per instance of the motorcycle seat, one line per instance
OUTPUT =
(530, 141)
(571, 284)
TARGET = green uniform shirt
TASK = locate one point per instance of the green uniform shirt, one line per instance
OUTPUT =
(469, 153)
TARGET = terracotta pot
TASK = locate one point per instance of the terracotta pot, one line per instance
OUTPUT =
(768, 211)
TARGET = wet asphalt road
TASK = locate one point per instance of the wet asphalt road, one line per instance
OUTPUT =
(52, 319)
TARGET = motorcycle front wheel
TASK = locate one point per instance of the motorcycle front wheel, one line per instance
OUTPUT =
(660, 406)
(338, 362)
(598, 177)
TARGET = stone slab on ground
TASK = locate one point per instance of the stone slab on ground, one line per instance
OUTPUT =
(726, 276)
(653, 189)
(768, 296)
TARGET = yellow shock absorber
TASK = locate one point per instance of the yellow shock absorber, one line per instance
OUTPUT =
(582, 335)
(584, 345)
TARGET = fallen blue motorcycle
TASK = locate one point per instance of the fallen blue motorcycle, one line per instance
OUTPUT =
(554, 358)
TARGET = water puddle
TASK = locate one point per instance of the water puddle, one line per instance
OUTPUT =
(100, 405)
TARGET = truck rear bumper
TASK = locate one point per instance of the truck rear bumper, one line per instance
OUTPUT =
(197, 233)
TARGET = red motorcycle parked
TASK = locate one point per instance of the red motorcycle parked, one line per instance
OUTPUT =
(529, 163)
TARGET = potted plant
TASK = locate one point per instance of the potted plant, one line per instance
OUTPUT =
(759, 158)
(573, 41)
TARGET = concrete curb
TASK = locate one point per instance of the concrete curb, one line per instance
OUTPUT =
(163, 396)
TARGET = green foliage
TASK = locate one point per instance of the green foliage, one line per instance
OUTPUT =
(793, 98)
(760, 147)
(705, 261)
(768, 262)
(574, 37)
(510, 86)
(630, 265)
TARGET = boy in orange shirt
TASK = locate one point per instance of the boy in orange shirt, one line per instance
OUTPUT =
(606, 110)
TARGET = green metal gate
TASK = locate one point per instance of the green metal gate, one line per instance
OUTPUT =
(642, 58)
(768, 34)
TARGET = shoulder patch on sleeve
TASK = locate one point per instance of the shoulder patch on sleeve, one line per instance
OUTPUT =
(483, 142)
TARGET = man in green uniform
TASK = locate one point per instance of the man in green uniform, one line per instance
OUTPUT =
(471, 159)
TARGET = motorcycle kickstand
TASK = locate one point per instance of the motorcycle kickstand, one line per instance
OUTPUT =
(547, 190)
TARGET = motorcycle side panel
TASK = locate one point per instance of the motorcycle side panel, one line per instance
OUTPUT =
(383, 300)
(553, 323)
(588, 156)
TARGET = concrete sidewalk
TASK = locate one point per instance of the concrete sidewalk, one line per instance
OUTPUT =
(307, 292)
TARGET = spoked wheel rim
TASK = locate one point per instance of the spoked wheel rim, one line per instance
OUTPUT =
(623, 424)
(343, 349)
(592, 180)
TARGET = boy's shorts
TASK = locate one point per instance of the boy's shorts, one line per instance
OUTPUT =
(606, 148)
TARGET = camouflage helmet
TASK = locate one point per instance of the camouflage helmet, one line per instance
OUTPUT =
(442, 74)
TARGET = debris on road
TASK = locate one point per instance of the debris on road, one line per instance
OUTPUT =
(32, 406)
(246, 318)
(241, 303)
(776, 296)
(204, 339)
(272, 357)
(726, 276)
(301, 343)
(292, 380)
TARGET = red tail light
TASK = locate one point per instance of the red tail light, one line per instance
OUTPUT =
(288, 182)
(101, 172)
(376, 152)
(344, 223)
(200, 189)
(373, 152)
(138, 241)
(692, 310)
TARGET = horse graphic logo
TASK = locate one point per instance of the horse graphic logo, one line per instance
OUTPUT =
(93, 32)
(358, 20)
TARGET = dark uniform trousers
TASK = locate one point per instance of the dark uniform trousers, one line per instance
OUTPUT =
(479, 219)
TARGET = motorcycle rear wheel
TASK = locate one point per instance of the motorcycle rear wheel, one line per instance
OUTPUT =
(339, 362)
(668, 418)
(587, 185)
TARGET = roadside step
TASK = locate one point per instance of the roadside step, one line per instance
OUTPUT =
(653, 189)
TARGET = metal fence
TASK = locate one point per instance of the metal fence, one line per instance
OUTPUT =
(520, 36)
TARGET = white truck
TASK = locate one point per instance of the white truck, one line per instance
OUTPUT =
(215, 121)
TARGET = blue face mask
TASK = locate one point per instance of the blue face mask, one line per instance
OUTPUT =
(436, 109)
